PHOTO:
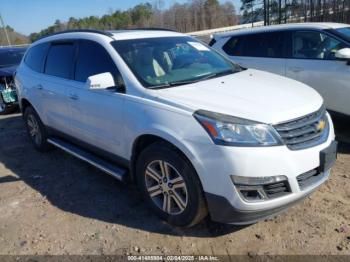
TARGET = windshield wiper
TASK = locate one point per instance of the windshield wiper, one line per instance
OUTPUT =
(218, 74)
(204, 77)
(192, 81)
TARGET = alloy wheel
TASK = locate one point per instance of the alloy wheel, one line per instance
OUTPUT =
(166, 187)
(34, 129)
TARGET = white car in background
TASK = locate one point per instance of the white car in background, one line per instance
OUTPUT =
(197, 132)
(317, 54)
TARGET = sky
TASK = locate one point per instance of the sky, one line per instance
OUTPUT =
(28, 16)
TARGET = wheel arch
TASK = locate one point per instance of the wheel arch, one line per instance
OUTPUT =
(145, 140)
(24, 103)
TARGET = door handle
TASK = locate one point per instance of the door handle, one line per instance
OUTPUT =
(39, 87)
(296, 69)
(73, 96)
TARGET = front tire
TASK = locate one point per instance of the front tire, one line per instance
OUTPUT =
(36, 130)
(170, 185)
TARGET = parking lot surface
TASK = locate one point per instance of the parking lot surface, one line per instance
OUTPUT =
(55, 204)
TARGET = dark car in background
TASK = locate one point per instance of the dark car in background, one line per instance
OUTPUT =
(10, 57)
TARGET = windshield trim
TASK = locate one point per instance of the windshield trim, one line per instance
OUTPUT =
(235, 67)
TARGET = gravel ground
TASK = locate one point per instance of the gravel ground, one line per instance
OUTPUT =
(54, 204)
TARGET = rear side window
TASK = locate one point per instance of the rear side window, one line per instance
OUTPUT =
(59, 60)
(35, 57)
(269, 45)
(234, 46)
(93, 59)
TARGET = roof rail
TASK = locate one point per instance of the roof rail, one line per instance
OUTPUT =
(101, 32)
(145, 28)
(107, 33)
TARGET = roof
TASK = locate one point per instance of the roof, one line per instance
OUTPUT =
(321, 26)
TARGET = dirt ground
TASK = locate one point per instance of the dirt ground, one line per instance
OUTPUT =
(54, 204)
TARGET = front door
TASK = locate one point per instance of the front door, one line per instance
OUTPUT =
(313, 63)
(96, 115)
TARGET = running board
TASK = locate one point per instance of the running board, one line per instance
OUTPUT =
(104, 165)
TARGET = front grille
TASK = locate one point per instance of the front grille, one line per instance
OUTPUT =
(305, 131)
(277, 189)
(309, 178)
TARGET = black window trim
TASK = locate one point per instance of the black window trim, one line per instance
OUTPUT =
(323, 31)
(61, 42)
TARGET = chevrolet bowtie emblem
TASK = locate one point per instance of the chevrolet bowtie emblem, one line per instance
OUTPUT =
(321, 125)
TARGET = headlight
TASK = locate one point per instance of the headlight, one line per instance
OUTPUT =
(229, 130)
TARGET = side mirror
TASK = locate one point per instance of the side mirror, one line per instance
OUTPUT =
(100, 81)
(343, 54)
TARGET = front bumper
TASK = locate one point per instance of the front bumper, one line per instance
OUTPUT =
(222, 211)
(216, 164)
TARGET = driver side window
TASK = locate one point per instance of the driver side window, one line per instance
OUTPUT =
(315, 45)
(93, 59)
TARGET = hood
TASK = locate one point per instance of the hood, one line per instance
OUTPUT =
(8, 71)
(250, 94)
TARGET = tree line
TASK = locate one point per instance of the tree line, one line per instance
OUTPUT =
(193, 15)
(14, 37)
(286, 11)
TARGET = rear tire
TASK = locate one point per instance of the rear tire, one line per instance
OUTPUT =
(36, 130)
(170, 185)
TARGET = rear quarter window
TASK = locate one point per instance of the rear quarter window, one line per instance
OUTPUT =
(35, 57)
(233, 46)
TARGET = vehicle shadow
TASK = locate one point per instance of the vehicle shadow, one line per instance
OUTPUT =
(74, 186)
(342, 132)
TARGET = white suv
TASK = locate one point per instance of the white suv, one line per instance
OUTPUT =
(317, 54)
(196, 132)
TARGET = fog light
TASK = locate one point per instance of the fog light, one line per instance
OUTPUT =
(257, 188)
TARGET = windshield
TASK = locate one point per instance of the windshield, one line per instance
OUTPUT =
(167, 61)
(10, 57)
(345, 31)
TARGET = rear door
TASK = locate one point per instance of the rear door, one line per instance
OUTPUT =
(58, 72)
(96, 115)
(263, 51)
(29, 78)
(312, 62)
